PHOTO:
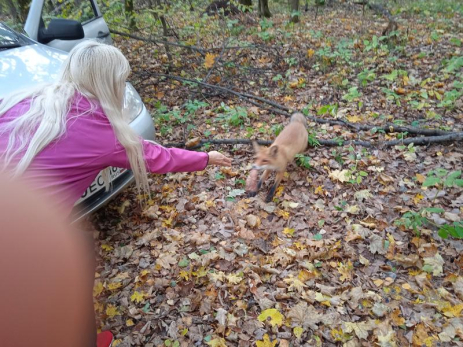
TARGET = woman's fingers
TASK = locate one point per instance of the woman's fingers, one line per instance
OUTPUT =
(216, 158)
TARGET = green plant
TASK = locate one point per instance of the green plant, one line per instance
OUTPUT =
(366, 76)
(352, 94)
(330, 109)
(303, 161)
(443, 178)
(235, 116)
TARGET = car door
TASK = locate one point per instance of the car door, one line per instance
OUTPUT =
(84, 11)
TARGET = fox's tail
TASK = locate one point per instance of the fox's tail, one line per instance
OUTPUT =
(299, 117)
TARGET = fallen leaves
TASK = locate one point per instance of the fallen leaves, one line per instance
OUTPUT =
(272, 315)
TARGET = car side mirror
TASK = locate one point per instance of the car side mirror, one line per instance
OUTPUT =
(61, 29)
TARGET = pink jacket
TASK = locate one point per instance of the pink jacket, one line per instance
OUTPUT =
(67, 166)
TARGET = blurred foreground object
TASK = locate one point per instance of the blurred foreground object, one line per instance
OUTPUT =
(44, 267)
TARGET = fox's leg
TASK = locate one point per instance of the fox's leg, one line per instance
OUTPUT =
(259, 184)
(278, 179)
(263, 178)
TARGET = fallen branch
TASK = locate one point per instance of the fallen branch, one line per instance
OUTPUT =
(286, 111)
(418, 141)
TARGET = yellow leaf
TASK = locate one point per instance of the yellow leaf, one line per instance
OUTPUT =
(137, 297)
(111, 311)
(283, 214)
(129, 323)
(319, 190)
(418, 197)
(276, 318)
(98, 289)
(266, 342)
(294, 283)
(106, 248)
(346, 271)
(406, 286)
(353, 119)
(288, 231)
(209, 60)
(396, 319)
(298, 331)
(378, 282)
(116, 342)
(288, 98)
(233, 279)
(338, 175)
(453, 311)
(420, 178)
(310, 53)
(114, 285)
(218, 342)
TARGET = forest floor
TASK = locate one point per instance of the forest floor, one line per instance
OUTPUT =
(350, 252)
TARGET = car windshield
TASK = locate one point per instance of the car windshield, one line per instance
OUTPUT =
(10, 39)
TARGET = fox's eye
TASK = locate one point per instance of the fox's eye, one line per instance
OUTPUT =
(264, 161)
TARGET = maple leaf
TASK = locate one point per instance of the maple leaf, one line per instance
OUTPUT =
(266, 342)
(209, 60)
(361, 329)
(114, 285)
(346, 271)
(377, 244)
(396, 319)
(298, 331)
(216, 276)
(417, 198)
(305, 316)
(434, 265)
(340, 176)
(111, 311)
(129, 323)
(166, 261)
(387, 340)
(363, 194)
(107, 248)
(233, 278)
(289, 231)
(354, 119)
(294, 284)
(97, 289)
(310, 53)
(218, 342)
(276, 318)
(137, 297)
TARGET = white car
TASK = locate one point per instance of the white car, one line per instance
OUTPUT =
(35, 56)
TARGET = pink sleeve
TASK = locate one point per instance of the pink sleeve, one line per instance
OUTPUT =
(162, 160)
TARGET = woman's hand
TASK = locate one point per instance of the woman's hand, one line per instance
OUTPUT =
(216, 158)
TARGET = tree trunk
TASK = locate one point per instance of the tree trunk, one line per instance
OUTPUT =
(128, 8)
(295, 11)
(263, 9)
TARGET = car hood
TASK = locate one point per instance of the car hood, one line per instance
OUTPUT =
(28, 66)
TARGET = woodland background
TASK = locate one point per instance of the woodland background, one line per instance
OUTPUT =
(362, 243)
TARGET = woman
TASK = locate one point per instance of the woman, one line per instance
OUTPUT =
(58, 137)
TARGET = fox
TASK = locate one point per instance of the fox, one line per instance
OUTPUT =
(292, 140)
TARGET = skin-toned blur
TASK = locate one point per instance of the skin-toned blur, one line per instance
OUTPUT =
(44, 269)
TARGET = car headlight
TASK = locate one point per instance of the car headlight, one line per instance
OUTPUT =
(132, 103)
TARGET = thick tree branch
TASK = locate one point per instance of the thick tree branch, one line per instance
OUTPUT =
(421, 141)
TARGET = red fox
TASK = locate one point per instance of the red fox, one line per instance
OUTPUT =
(291, 141)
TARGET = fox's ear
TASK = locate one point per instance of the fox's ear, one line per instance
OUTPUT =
(274, 151)
(256, 146)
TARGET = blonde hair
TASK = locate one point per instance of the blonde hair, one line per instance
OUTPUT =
(97, 71)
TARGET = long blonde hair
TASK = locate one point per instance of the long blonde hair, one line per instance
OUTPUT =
(97, 71)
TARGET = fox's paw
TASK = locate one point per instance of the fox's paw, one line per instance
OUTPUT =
(269, 198)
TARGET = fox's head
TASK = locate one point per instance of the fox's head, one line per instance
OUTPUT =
(265, 157)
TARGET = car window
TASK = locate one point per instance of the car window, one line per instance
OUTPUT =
(79, 10)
